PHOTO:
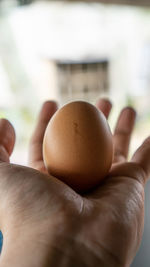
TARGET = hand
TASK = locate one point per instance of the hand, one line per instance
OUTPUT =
(46, 217)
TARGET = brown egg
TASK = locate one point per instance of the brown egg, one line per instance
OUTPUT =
(77, 146)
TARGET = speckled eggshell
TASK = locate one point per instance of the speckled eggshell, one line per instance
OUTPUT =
(77, 146)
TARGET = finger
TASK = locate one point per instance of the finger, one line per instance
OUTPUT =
(7, 140)
(122, 135)
(105, 106)
(36, 142)
(142, 158)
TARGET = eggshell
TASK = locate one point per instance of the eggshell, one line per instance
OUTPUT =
(77, 146)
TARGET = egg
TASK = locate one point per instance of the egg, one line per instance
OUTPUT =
(77, 146)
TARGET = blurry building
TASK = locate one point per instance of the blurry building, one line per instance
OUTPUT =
(85, 79)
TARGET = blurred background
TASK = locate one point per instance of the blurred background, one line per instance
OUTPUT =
(75, 50)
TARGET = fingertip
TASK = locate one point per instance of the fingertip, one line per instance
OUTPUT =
(7, 125)
(50, 104)
(49, 107)
(104, 101)
(130, 110)
(104, 105)
(127, 117)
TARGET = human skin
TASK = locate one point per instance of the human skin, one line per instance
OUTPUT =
(45, 223)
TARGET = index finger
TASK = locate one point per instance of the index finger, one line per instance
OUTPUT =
(36, 142)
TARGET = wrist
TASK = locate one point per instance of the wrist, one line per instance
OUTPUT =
(80, 257)
(58, 245)
(30, 254)
(68, 250)
(62, 250)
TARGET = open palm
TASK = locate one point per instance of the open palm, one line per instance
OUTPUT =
(115, 210)
(103, 227)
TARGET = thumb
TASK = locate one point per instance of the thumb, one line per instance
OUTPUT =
(142, 158)
(7, 140)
